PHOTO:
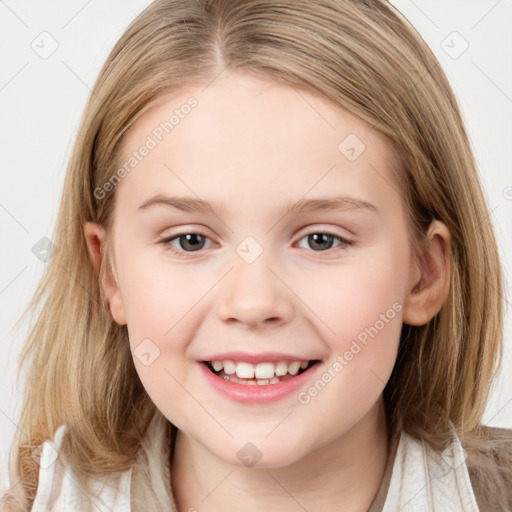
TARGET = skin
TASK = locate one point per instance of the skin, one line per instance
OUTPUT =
(256, 146)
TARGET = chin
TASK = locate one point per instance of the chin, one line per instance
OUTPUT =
(262, 454)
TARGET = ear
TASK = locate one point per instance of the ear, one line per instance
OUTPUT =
(430, 279)
(95, 240)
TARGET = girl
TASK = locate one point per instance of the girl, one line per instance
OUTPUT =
(197, 343)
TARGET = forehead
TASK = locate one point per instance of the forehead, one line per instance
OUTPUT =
(254, 136)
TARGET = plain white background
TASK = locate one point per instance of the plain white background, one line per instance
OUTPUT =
(42, 97)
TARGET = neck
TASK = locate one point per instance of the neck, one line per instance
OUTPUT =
(343, 475)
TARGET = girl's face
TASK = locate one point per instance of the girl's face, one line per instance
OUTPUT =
(259, 225)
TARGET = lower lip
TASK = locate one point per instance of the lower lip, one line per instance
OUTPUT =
(256, 393)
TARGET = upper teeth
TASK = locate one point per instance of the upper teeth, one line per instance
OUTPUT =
(245, 370)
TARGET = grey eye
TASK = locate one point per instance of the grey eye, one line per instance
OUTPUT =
(321, 241)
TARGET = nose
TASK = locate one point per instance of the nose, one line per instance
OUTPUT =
(254, 295)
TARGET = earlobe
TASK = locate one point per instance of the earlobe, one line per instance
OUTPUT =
(430, 290)
(95, 238)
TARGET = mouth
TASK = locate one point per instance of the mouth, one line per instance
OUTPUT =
(261, 374)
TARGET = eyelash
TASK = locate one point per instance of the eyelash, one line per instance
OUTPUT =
(166, 242)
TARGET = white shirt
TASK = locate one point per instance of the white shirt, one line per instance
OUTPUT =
(422, 480)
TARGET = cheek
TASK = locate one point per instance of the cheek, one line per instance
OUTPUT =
(158, 294)
(365, 314)
(360, 293)
(160, 300)
(360, 307)
(163, 301)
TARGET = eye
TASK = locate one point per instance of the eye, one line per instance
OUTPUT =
(186, 242)
(321, 241)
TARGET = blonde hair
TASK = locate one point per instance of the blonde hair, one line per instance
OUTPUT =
(364, 57)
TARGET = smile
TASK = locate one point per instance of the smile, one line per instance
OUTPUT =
(258, 382)
(260, 374)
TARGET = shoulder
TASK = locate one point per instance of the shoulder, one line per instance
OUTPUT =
(426, 478)
(10, 502)
(15, 499)
(489, 462)
(58, 490)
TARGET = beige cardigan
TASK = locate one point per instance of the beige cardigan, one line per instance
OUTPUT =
(417, 479)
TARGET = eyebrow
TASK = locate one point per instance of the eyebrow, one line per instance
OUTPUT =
(191, 204)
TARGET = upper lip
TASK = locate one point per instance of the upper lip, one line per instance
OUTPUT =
(261, 357)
